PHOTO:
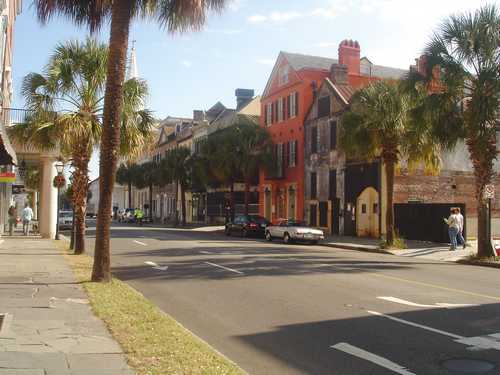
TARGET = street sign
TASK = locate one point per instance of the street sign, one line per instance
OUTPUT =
(489, 191)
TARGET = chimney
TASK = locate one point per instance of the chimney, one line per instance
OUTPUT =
(243, 97)
(338, 74)
(198, 115)
(349, 54)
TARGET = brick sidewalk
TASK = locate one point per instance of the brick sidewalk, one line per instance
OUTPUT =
(48, 327)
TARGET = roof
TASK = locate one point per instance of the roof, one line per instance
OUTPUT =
(344, 91)
(299, 61)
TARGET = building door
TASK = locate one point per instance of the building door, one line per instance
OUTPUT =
(291, 203)
(313, 212)
(267, 204)
(335, 215)
(281, 204)
(367, 223)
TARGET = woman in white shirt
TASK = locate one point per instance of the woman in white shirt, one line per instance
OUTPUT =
(453, 227)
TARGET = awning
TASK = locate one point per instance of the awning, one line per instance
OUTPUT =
(7, 153)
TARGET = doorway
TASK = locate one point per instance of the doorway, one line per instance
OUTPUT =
(367, 217)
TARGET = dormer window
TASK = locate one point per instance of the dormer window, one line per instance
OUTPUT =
(283, 75)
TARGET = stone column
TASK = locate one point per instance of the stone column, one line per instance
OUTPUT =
(48, 199)
(35, 205)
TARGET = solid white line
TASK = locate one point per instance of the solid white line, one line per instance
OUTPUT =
(225, 268)
(205, 252)
(457, 337)
(153, 264)
(370, 357)
(140, 243)
(437, 305)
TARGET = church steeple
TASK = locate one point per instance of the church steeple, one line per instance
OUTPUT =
(132, 71)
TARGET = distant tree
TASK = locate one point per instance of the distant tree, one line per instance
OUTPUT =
(126, 175)
(462, 77)
(147, 176)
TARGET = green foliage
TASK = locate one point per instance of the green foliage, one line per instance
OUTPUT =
(32, 178)
(398, 243)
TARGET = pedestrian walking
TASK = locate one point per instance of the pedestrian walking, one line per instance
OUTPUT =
(453, 228)
(26, 216)
(139, 215)
(12, 219)
(460, 234)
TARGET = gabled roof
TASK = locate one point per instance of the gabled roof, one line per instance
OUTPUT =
(343, 91)
(299, 61)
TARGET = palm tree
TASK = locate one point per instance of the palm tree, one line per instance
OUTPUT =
(462, 77)
(65, 106)
(175, 15)
(126, 175)
(176, 168)
(378, 124)
(147, 176)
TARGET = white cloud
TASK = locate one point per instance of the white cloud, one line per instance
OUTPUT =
(257, 18)
(186, 63)
(268, 62)
(235, 5)
(274, 17)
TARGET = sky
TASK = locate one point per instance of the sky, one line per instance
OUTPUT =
(237, 48)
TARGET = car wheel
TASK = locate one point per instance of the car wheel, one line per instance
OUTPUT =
(228, 232)
(268, 236)
(287, 239)
(244, 233)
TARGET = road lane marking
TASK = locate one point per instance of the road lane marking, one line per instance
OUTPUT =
(435, 330)
(436, 286)
(156, 266)
(370, 357)
(436, 305)
(205, 252)
(140, 243)
(225, 268)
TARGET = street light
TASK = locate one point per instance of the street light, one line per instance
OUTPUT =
(58, 182)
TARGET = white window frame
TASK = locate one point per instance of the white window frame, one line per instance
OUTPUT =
(269, 114)
(293, 154)
(280, 110)
(293, 105)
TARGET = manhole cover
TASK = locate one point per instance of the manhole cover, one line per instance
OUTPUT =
(468, 366)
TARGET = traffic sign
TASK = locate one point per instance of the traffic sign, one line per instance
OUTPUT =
(489, 191)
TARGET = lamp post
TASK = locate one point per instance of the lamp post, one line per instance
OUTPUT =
(59, 168)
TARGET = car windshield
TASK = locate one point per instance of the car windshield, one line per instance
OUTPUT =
(65, 214)
(297, 223)
(258, 219)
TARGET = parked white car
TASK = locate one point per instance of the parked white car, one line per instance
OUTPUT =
(65, 220)
(294, 230)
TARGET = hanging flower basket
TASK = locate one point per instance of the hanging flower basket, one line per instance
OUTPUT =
(59, 181)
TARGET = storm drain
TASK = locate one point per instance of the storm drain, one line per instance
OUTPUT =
(468, 365)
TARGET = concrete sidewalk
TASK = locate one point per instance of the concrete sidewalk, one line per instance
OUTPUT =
(46, 324)
(416, 249)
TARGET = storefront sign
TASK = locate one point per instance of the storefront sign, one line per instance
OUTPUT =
(18, 189)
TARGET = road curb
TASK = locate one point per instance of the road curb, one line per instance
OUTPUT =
(365, 248)
(478, 263)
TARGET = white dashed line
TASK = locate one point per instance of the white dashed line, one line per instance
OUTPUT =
(370, 357)
(140, 243)
(225, 268)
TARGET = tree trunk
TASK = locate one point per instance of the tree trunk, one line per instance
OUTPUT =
(117, 56)
(130, 194)
(81, 158)
(150, 203)
(183, 204)
(389, 215)
(247, 196)
(484, 246)
(232, 200)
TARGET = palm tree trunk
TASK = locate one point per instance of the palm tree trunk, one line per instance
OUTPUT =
(183, 204)
(389, 215)
(484, 247)
(80, 190)
(118, 42)
(130, 194)
(232, 200)
(150, 203)
(247, 195)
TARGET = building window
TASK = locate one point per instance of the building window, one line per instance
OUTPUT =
(332, 177)
(314, 183)
(269, 113)
(333, 134)
(293, 108)
(275, 111)
(324, 106)
(279, 160)
(280, 109)
(292, 153)
(314, 140)
(283, 75)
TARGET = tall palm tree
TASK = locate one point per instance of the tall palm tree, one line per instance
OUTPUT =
(65, 104)
(176, 167)
(147, 176)
(378, 124)
(462, 76)
(175, 15)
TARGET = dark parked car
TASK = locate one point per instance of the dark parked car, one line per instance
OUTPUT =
(246, 225)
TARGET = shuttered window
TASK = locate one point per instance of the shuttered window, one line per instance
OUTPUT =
(314, 185)
(333, 134)
(324, 106)
(280, 109)
(292, 155)
(279, 160)
(314, 140)
(294, 105)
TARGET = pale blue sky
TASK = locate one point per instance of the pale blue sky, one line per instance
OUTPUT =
(238, 47)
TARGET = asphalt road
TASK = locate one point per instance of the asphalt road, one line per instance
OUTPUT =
(297, 309)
